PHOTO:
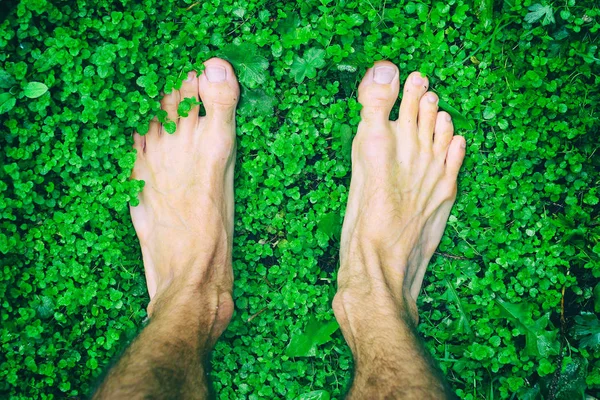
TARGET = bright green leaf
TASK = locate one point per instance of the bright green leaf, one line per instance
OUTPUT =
(250, 66)
(330, 224)
(256, 102)
(304, 344)
(315, 395)
(538, 11)
(306, 67)
(33, 90)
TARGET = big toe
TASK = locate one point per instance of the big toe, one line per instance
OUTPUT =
(378, 91)
(219, 89)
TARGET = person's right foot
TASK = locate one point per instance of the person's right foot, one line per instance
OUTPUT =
(185, 217)
(403, 186)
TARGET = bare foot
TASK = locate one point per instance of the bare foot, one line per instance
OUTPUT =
(185, 217)
(403, 187)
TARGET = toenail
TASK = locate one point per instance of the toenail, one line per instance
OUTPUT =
(448, 118)
(463, 145)
(417, 80)
(190, 76)
(384, 75)
(432, 98)
(216, 74)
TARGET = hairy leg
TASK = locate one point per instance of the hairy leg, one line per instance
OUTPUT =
(403, 187)
(185, 225)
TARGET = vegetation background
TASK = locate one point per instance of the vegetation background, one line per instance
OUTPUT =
(510, 303)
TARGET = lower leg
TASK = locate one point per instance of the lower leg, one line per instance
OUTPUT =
(184, 221)
(167, 360)
(403, 186)
(390, 360)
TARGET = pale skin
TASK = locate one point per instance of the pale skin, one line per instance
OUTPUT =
(402, 189)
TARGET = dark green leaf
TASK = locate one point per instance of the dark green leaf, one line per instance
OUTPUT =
(570, 384)
(6, 80)
(538, 341)
(597, 298)
(7, 102)
(330, 224)
(538, 11)
(451, 295)
(346, 139)
(459, 120)
(587, 328)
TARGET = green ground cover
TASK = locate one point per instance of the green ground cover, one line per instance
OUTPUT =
(509, 303)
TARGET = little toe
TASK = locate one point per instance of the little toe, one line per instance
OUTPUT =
(444, 130)
(219, 90)
(170, 103)
(455, 156)
(378, 91)
(414, 88)
(428, 108)
(189, 89)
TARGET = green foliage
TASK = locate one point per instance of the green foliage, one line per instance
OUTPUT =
(33, 90)
(314, 395)
(539, 341)
(250, 66)
(538, 11)
(587, 327)
(306, 67)
(520, 79)
(304, 344)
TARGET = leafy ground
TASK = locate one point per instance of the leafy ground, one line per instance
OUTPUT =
(508, 305)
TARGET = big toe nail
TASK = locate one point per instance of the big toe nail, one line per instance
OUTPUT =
(216, 74)
(384, 74)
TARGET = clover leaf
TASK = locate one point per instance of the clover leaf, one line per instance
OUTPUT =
(306, 66)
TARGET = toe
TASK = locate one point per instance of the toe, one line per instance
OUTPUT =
(169, 104)
(444, 130)
(428, 108)
(414, 88)
(455, 156)
(139, 143)
(219, 89)
(378, 91)
(153, 135)
(189, 90)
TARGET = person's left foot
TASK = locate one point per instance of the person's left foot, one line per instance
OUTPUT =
(185, 217)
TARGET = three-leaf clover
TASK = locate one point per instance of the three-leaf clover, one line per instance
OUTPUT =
(306, 67)
(249, 65)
